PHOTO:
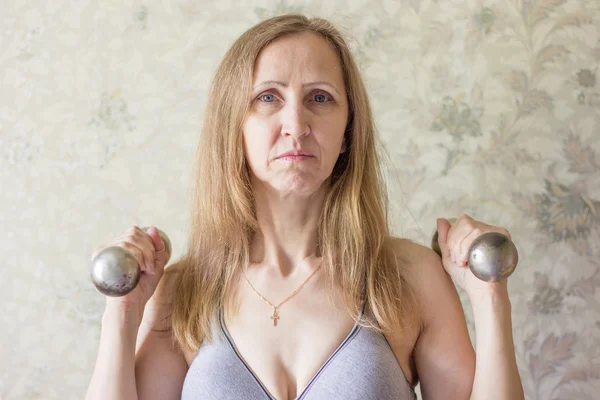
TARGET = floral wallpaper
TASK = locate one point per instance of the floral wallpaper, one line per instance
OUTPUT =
(485, 107)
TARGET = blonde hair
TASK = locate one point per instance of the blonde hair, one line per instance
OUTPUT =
(353, 233)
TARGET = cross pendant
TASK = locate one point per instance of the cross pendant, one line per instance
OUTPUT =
(275, 317)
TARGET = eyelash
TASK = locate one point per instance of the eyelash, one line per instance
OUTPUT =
(318, 93)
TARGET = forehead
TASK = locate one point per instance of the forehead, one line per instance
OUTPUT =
(307, 56)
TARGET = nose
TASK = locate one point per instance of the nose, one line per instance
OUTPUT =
(294, 121)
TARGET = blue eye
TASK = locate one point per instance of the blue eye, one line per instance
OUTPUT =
(267, 97)
(321, 98)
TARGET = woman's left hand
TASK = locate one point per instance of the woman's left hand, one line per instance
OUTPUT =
(455, 241)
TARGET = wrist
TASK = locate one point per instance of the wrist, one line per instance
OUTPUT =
(123, 315)
(492, 296)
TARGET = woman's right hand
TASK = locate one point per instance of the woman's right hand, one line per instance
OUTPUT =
(150, 252)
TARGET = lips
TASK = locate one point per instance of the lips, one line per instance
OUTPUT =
(294, 153)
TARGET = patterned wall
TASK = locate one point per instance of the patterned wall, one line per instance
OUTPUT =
(487, 107)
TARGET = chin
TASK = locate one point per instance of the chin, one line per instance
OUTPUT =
(298, 185)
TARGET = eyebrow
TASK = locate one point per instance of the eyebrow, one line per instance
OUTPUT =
(282, 84)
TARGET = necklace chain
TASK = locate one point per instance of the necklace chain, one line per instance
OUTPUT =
(275, 316)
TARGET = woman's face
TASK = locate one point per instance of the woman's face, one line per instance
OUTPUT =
(298, 104)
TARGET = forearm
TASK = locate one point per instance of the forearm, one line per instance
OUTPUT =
(496, 373)
(114, 373)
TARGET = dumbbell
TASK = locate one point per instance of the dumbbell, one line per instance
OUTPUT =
(492, 255)
(116, 272)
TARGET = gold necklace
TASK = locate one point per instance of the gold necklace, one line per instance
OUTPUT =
(276, 316)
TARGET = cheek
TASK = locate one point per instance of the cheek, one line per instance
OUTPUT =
(332, 134)
(258, 139)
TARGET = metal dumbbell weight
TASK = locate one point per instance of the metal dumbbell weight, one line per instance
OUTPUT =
(492, 256)
(116, 272)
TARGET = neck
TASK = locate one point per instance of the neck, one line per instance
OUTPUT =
(287, 236)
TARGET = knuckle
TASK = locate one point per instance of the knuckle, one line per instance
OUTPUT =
(148, 248)
(149, 257)
(131, 248)
(467, 220)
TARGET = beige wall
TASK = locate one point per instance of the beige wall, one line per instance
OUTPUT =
(490, 108)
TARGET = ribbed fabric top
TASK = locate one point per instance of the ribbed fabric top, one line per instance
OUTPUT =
(363, 367)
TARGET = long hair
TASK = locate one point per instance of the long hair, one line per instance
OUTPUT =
(353, 231)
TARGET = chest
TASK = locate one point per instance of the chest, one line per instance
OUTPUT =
(286, 357)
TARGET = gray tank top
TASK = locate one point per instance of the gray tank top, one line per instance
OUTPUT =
(363, 367)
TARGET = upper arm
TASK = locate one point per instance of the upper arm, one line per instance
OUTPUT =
(160, 366)
(443, 354)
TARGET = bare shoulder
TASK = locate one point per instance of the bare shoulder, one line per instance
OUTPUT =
(425, 274)
(419, 262)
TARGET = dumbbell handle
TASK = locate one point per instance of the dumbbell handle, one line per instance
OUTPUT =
(492, 256)
(115, 271)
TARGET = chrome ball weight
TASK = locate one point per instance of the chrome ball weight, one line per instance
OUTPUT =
(115, 271)
(492, 256)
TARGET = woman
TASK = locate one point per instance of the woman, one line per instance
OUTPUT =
(292, 287)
